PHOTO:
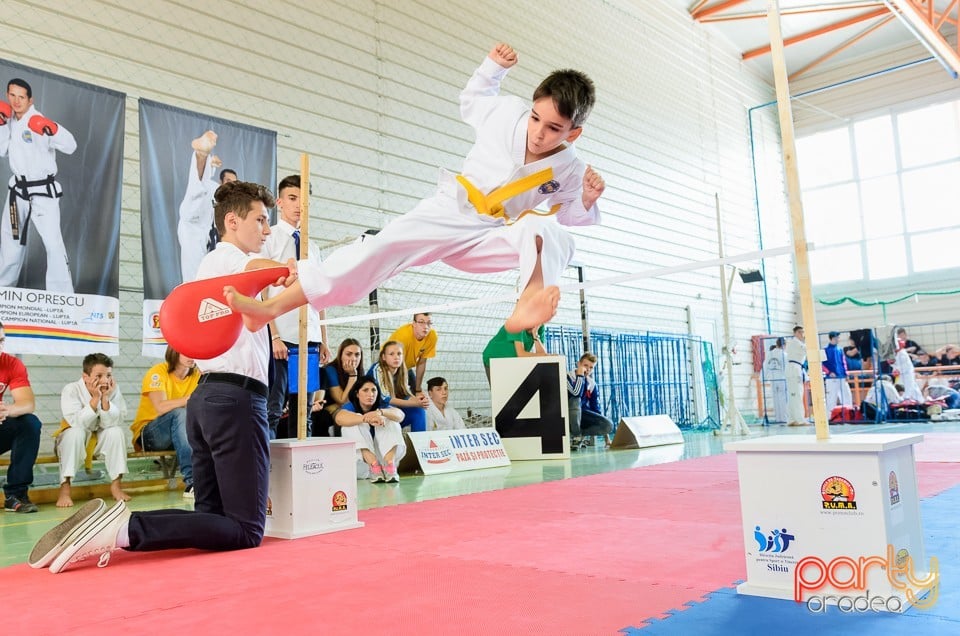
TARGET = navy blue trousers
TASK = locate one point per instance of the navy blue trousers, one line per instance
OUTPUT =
(228, 433)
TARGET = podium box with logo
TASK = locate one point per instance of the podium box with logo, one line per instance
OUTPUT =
(313, 487)
(530, 410)
(845, 510)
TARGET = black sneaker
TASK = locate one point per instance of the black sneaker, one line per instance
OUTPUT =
(12, 503)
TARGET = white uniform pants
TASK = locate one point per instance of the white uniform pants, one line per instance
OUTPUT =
(45, 219)
(388, 436)
(795, 411)
(433, 231)
(838, 393)
(71, 447)
(779, 389)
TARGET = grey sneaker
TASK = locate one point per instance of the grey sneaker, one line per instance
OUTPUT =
(19, 503)
(99, 539)
(64, 533)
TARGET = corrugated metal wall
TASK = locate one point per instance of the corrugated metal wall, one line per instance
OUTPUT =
(368, 89)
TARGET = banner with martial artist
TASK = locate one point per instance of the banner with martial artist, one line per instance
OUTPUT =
(184, 157)
(61, 158)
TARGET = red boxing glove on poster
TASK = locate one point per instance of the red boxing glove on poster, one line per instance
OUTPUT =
(43, 126)
(5, 112)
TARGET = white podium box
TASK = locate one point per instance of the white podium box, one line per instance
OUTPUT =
(313, 487)
(646, 431)
(451, 451)
(835, 521)
(531, 428)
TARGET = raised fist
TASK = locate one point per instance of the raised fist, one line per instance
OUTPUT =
(43, 126)
(6, 112)
(503, 54)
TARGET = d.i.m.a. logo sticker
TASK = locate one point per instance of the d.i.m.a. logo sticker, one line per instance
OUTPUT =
(838, 494)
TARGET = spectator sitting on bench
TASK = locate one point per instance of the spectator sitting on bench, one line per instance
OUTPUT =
(872, 407)
(337, 378)
(440, 415)
(924, 359)
(161, 419)
(937, 389)
(376, 430)
(390, 374)
(949, 355)
(93, 412)
(912, 347)
(19, 431)
(585, 417)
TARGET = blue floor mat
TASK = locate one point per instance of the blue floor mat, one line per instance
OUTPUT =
(726, 612)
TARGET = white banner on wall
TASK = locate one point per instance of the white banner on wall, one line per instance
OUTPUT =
(61, 162)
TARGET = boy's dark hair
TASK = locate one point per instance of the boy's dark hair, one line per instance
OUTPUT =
(16, 81)
(93, 359)
(293, 181)
(236, 197)
(436, 382)
(796, 329)
(572, 93)
(227, 171)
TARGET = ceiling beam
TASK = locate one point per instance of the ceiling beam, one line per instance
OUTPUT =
(920, 19)
(763, 50)
(842, 47)
(804, 10)
(700, 12)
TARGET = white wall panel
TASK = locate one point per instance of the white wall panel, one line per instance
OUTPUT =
(369, 90)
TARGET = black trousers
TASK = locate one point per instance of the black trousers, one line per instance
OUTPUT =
(227, 429)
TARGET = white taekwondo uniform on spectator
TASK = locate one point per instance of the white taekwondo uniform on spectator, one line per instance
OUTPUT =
(84, 421)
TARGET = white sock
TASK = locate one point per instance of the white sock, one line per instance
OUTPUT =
(123, 536)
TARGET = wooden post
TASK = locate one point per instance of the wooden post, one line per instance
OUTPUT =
(303, 409)
(734, 421)
(801, 259)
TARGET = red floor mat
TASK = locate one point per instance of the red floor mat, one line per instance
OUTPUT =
(580, 556)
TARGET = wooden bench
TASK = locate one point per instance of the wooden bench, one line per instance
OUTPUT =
(166, 458)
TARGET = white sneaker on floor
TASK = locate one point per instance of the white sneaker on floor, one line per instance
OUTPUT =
(100, 538)
(390, 473)
(188, 493)
(55, 540)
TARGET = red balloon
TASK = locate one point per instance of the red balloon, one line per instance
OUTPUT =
(195, 318)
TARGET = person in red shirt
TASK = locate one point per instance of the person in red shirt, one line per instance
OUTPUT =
(19, 431)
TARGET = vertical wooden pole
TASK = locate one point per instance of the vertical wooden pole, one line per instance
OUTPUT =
(735, 423)
(801, 259)
(303, 409)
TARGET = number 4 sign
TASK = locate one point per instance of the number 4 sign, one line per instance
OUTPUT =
(529, 400)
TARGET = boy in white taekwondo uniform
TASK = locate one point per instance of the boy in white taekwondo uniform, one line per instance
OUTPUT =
(796, 356)
(196, 208)
(93, 405)
(481, 220)
(33, 197)
(226, 426)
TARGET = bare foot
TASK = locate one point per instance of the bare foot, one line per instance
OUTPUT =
(63, 499)
(204, 143)
(535, 310)
(255, 314)
(118, 493)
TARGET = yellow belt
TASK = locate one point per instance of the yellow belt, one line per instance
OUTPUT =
(492, 204)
